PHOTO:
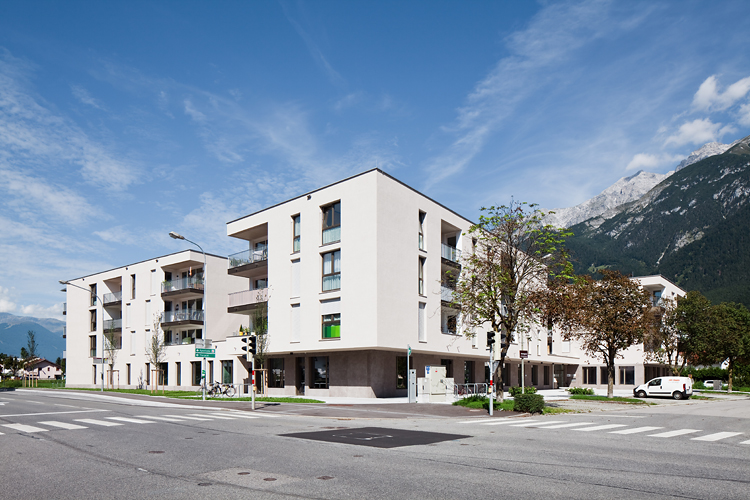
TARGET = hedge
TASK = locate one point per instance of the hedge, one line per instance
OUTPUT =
(528, 403)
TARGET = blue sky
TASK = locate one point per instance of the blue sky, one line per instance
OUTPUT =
(122, 121)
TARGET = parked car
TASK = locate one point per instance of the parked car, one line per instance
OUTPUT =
(709, 384)
(676, 387)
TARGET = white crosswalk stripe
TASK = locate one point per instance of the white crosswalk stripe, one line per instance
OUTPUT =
(164, 419)
(669, 434)
(234, 414)
(220, 417)
(24, 428)
(715, 437)
(475, 421)
(636, 430)
(503, 422)
(599, 427)
(535, 423)
(63, 425)
(189, 418)
(563, 426)
(92, 421)
(129, 420)
(746, 442)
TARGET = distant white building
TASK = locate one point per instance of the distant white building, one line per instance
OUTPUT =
(43, 369)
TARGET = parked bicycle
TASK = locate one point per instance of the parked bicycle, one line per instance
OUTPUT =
(217, 389)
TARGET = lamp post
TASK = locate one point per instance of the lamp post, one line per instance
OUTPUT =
(62, 282)
(178, 236)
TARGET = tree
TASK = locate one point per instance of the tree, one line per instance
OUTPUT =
(613, 315)
(156, 350)
(692, 319)
(24, 353)
(503, 282)
(31, 344)
(259, 321)
(111, 347)
(731, 336)
(665, 343)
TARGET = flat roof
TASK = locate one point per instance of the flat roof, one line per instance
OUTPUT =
(347, 179)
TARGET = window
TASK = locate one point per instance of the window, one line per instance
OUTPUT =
(332, 223)
(296, 233)
(546, 375)
(332, 271)
(92, 346)
(421, 276)
(132, 286)
(92, 315)
(210, 371)
(296, 325)
(93, 294)
(421, 230)
(331, 326)
(163, 374)
(627, 375)
(603, 377)
(178, 369)
(589, 375)
(196, 371)
(448, 364)
(132, 343)
(276, 372)
(468, 372)
(401, 376)
(566, 346)
(657, 297)
(420, 323)
(226, 372)
(127, 365)
(549, 341)
(534, 375)
(320, 372)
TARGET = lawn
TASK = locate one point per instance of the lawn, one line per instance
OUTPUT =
(478, 402)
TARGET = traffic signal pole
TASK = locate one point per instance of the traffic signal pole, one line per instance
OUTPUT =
(491, 347)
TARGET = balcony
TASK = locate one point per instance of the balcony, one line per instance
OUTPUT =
(247, 300)
(193, 285)
(112, 298)
(447, 294)
(450, 254)
(114, 325)
(177, 318)
(65, 331)
(65, 308)
(248, 263)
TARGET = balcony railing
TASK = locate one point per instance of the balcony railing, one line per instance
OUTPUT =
(450, 253)
(178, 341)
(447, 294)
(112, 324)
(247, 257)
(248, 297)
(65, 308)
(191, 283)
(111, 298)
(173, 316)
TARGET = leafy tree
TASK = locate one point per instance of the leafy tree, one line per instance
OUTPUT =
(31, 344)
(24, 353)
(665, 343)
(501, 282)
(692, 319)
(731, 336)
(613, 315)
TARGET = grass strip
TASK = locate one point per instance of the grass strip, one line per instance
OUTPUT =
(605, 398)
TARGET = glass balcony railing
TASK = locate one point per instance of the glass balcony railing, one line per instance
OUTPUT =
(65, 308)
(112, 324)
(450, 253)
(191, 283)
(247, 257)
(111, 298)
(248, 297)
(447, 293)
(189, 315)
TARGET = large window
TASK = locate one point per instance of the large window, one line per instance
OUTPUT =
(546, 375)
(92, 318)
(589, 375)
(320, 372)
(421, 230)
(448, 364)
(332, 270)
(534, 375)
(196, 370)
(93, 294)
(401, 376)
(627, 375)
(132, 286)
(276, 372)
(332, 223)
(331, 326)
(421, 276)
(92, 346)
(296, 233)
(603, 376)
(468, 372)
(226, 372)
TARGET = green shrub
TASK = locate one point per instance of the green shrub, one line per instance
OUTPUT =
(516, 391)
(11, 383)
(582, 391)
(528, 403)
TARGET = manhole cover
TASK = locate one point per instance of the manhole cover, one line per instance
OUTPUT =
(377, 437)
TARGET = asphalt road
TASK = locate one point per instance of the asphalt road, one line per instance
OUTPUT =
(63, 445)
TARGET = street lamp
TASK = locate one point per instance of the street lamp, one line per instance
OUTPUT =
(178, 236)
(63, 282)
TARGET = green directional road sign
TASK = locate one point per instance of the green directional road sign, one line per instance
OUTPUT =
(205, 353)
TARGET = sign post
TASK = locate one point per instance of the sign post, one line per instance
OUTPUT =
(409, 396)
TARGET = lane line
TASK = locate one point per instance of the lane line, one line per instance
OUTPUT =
(716, 437)
(636, 430)
(24, 428)
(212, 415)
(165, 419)
(531, 424)
(50, 413)
(91, 421)
(563, 426)
(678, 432)
(63, 425)
(599, 427)
(502, 422)
(189, 418)
(130, 420)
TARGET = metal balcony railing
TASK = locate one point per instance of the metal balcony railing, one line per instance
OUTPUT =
(450, 253)
(189, 315)
(110, 298)
(248, 297)
(247, 257)
(191, 283)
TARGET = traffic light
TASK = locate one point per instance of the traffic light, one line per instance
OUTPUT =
(490, 339)
(250, 345)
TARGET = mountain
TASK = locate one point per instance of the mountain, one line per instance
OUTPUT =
(48, 332)
(693, 227)
(710, 149)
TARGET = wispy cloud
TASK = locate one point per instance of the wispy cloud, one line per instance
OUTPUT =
(698, 132)
(650, 161)
(85, 97)
(709, 98)
(192, 112)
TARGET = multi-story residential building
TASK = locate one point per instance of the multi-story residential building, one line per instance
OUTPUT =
(165, 294)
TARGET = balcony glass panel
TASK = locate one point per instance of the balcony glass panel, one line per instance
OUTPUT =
(450, 253)
(112, 324)
(331, 235)
(247, 257)
(189, 315)
(248, 297)
(112, 297)
(193, 282)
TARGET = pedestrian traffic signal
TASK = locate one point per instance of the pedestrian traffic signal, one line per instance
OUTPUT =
(490, 339)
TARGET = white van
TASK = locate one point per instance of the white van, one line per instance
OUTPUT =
(676, 387)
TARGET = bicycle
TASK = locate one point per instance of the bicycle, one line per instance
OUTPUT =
(217, 389)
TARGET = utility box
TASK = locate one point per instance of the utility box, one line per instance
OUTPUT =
(412, 386)
(433, 387)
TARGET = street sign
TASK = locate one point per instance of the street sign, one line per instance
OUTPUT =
(524, 354)
(205, 353)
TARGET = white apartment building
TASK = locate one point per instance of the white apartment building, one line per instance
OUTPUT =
(167, 293)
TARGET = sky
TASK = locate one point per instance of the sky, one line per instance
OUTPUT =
(123, 121)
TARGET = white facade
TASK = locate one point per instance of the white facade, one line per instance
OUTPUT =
(165, 293)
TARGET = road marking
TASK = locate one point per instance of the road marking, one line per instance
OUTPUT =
(475, 421)
(237, 415)
(746, 442)
(188, 418)
(636, 430)
(212, 415)
(533, 423)
(501, 422)
(716, 437)
(130, 420)
(24, 428)
(165, 419)
(678, 432)
(91, 421)
(261, 414)
(599, 427)
(48, 413)
(63, 425)
(67, 406)
(562, 426)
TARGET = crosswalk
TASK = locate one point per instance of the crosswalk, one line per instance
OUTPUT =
(622, 429)
(86, 423)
